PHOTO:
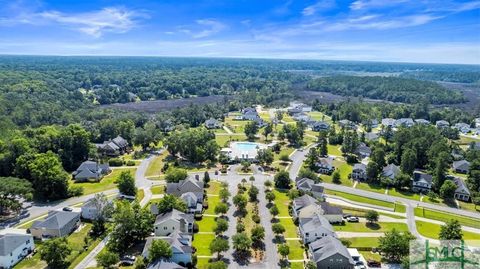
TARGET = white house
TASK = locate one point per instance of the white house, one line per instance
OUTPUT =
(181, 245)
(173, 221)
(14, 247)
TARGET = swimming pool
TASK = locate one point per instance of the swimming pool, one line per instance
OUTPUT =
(245, 150)
(245, 146)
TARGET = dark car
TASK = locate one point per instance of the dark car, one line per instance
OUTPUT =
(68, 209)
(128, 260)
(374, 264)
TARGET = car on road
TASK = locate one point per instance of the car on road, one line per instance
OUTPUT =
(68, 209)
(346, 216)
(352, 219)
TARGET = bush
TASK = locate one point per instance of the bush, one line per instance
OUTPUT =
(284, 158)
(256, 218)
(75, 191)
(115, 162)
(131, 163)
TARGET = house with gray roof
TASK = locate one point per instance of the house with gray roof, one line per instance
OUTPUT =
(347, 124)
(315, 228)
(391, 171)
(422, 122)
(462, 192)
(318, 126)
(161, 264)
(421, 182)
(329, 252)
(181, 247)
(212, 124)
(309, 186)
(388, 122)
(462, 127)
(56, 224)
(440, 124)
(91, 171)
(113, 147)
(403, 122)
(14, 247)
(363, 151)
(359, 171)
(173, 221)
(192, 202)
(462, 166)
(372, 136)
(325, 166)
(193, 187)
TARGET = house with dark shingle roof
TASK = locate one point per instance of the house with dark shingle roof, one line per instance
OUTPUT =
(391, 171)
(421, 182)
(325, 166)
(113, 147)
(56, 224)
(191, 186)
(359, 171)
(181, 247)
(90, 170)
(462, 166)
(314, 228)
(212, 124)
(318, 126)
(161, 264)
(442, 124)
(14, 247)
(422, 122)
(329, 252)
(173, 221)
(462, 192)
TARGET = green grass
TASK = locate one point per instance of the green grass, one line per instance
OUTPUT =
(296, 250)
(206, 224)
(237, 126)
(319, 116)
(334, 150)
(362, 227)
(370, 187)
(212, 202)
(202, 263)
(445, 217)
(282, 201)
(159, 189)
(202, 243)
(140, 195)
(404, 194)
(223, 140)
(156, 165)
(358, 212)
(296, 265)
(432, 230)
(368, 255)
(344, 170)
(283, 151)
(290, 228)
(357, 242)
(469, 206)
(214, 187)
(107, 183)
(400, 208)
(360, 199)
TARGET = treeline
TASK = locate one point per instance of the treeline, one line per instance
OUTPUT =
(450, 76)
(387, 88)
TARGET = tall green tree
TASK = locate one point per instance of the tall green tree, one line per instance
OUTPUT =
(49, 179)
(159, 250)
(55, 252)
(251, 129)
(126, 184)
(451, 231)
(394, 245)
(219, 245)
(170, 202)
(12, 192)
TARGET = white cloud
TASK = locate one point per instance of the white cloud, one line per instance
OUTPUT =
(203, 28)
(318, 7)
(367, 4)
(373, 22)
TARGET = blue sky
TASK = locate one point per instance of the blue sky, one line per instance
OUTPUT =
(446, 31)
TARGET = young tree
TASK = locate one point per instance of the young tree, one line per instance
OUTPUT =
(170, 202)
(283, 250)
(447, 191)
(282, 180)
(107, 259)
(372, 216)
(240, 201)
(378, 156)
(221, 209)
(240, 227)
(219, 245)
(268, 183)
(50, 181)
(322, 144)
(373, 171)
(159, 250)
(174, 175)
(278, 229)
(473, 180)
(251, 129)
(284, 158)
(257, 234)
(265, 156)
(221, 226)
(253, 193)
(206, 177)
(270, 196)
(395, 245)
(336, 177)
(312, 158)
(452, 230)
(274, 211)
(267, 130)
(217, 265)
(402, 180)
(126, 184)
(224, 194)
(55, 252)
(241, 242)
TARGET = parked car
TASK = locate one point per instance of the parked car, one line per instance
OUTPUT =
(374, 264)
(68, 209)
(352, 219)
(128, 260)
(347, 216)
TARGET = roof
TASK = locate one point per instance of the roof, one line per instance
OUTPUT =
(422, 121)
(174, 214)
(330, 209)
(316, 223)
(304, 201)
(90, 169)
(371, 136)
(325, 162)
(463, 164)
(180, 242)
(10, 241)
(391, 171)
(304, 183)
(164, 265)
(56, 220)
(327, 247)
(461, 187)
(364, 149)
(187, 185)
(317, 188)
(120, 141)
(211, 121)
(360, 166)
(422, 177)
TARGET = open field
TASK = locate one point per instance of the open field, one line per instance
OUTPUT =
(361, 227)
(360, 199)
(107, 182)
(432, 230)
(444, 216)
(155, 167)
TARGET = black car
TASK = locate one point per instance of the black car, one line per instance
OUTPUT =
(68, 209)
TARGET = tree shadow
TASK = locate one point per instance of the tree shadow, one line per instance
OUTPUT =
(373, 226)
(242, 257)
(279, 239)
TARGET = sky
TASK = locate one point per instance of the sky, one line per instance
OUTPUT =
(445, 31)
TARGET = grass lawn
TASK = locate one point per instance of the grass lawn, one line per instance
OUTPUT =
(212, 202)
(296, 265)
(202, 243)
(223, 140)
(360, 199)
(159, 189)
(444, 216)
(400, 208)
(296, 250)
(370, 187)
(206, 224)
(287, 118)
(356, 242)
(432, 230)
(404, 194)
(107, 183)
(284, 151)
(140, 195)
(334, 150)
(344, 170)
(362, 227)
(319, 116)
(202, 263)
(282, 200)
(290, 228)
(214, 187)
(368, 255)
(362, 212)
(265, 116)
(155, 167)
(237, 126)
(469, 206)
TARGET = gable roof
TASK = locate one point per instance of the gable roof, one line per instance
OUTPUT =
(187, 185)
(120, 142)
(318, 222)
(305, 183)
(10, 241)
(461, 186)
(360, 166)
(462, 164)
(161, 264)
(175, 215)
(391, 171)
(330, 209)
(56, 220)
(325, 162)
(304, 201)
(327, 247)
(419, 177)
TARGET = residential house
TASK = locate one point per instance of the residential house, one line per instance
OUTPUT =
(325, 166)
(371, 136)
(304, 184)
(161, 264)
(317, 227)
(302, 117)
(14, 247)
(462, 166)
(192, 186)
(477, 122)
(421, 182)
(373, 123)
(306, 207)
(403, 122)
(388, 122)
(56, 224)
(462, 127)
(334, 214)
(181, 245)
(391, 171)
(442, 124)
(319, 126)
(317, 191)
(363, 151)
(359, 171)
(114, 147)
(212, 124)
(462, 192)
(347, 124)
(296, 107)
(91, 208)
(90, 170)
(422, 122)
(301, 202)
(173, 221)
(329, 252)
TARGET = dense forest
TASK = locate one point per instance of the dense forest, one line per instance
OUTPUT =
(387, 88)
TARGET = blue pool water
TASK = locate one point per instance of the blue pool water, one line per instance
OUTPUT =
(245, 146)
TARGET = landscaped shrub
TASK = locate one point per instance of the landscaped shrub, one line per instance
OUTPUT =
(131, 163)
(115, 162)
(256, 218)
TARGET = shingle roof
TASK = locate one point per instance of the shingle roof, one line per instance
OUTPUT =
(461, 187)
(316, 223)
(11, 241)
(176, 215)
(120, 142)
(304, 201)
(391, 171)
(422, 177)
(464, 164)
(328, 246)
(360, 166)
(330, 209)
(164, 265)
(56, 220)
